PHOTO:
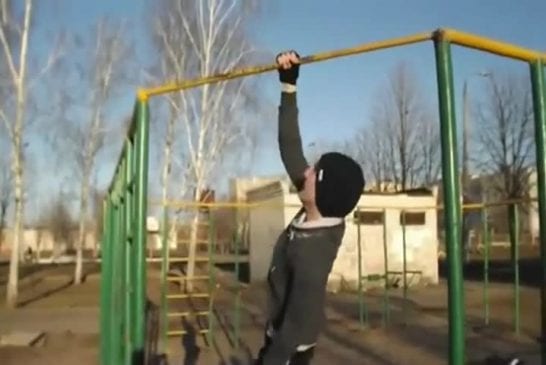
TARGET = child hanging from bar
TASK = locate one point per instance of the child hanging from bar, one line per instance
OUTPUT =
(305, 251)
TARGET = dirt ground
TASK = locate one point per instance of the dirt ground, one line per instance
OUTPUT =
(417, 332)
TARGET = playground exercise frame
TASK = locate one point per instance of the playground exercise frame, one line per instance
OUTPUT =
(123, 276)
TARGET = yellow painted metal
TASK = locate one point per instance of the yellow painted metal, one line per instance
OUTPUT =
(186, 259)
(490, 45)
(185, 296)
(187, 314)
(183, 332)
(241, 205)
(183, 278)
(368, 47)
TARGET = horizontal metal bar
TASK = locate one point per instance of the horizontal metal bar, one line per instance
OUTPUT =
(186, 314)
(185, 296)
(234, 205)
(145, 93)
(183, 278)
(184, 332)
(490, 45)
(186, 259)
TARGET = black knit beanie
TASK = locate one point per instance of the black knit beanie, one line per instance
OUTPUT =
(339, 184)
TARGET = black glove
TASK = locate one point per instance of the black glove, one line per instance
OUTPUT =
(290, 75)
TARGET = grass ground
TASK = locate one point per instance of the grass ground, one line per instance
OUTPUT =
(417, 332)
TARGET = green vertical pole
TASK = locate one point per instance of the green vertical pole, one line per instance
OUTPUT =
(539, 104)
(386, 307)
(164, 283)
(404, 265)
(212, 283)
(237, 294)
(514, 243)
(116, 275)
(361, 308)
(452, 202)
(106, 282)
(486, 242)
(141, 193)
(128, 243)
(125, 310)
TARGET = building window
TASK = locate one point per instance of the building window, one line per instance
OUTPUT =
(369, 218)
(413, 218)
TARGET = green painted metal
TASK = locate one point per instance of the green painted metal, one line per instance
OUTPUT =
(361, 304)
(386, 307)
(164, 324)
(141, 196)
(514, 248)
(539, 104)
(404, 265)
(237, 313)
(106, 282)
(212, 277)
(123, 279)
(486, 243)
(452, 202)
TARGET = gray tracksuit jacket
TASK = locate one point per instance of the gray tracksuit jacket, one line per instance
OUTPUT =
(302, 258)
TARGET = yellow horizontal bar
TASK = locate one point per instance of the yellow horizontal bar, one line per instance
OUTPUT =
(184, 332)
(185, 259)
(491, 46)
(185, 296)
(186, 314)
(144, 94)
(183, 278)
(235, 205)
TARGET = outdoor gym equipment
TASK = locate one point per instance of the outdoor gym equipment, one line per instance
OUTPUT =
(123, 279)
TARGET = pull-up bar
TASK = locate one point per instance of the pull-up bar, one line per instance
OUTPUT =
(449, 35)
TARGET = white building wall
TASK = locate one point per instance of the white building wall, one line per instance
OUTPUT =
(266, 223)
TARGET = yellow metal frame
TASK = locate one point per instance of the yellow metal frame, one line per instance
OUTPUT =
(450, 35)
(240, 205)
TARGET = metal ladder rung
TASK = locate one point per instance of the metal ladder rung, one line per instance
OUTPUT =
(184, 296)
(184, 332)
(186, 314)
(184, 278)
(186, 259)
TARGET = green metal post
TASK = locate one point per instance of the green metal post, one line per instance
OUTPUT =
(116, 290)
(124, 267)
(128, 243)
(451, 200)
(361, 309)
(164, 283)
(514, 243)
(141, 195)
(386, 307)
(404, 265)
(539, 104)
(237, 294)
(486, 243)
(106, 282)
(212, 282)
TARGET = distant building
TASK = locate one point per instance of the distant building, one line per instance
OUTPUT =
(378, 217)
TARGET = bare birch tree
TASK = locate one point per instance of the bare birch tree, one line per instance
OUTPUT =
(505, 135)
(15, 34)
(401, 144)
(81, 140)
(197, 39)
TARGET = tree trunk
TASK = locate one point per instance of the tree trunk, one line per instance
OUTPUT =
(81, 227)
